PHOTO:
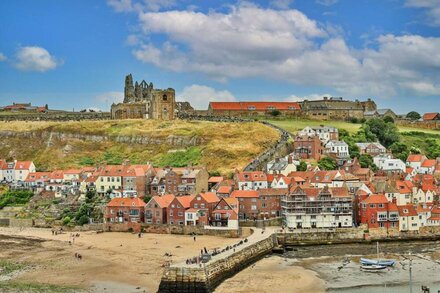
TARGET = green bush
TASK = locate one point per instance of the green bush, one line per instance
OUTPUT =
(83, 220)
(17, 197)
(181, 158)
(66, 220)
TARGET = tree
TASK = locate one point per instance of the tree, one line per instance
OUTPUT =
(83, 220)
(366, 161)
(302, 166)
(66, 220)
(399, 150)
(275, 113)
(388, 119)
(327, 163)
(386, 133)
(413, 115)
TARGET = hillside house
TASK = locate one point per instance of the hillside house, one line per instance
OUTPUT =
(125, 210)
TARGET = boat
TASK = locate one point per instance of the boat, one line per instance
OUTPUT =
(381, 262)
(372, 268)
(378, 261)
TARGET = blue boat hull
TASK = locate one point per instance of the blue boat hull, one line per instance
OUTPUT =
(388, 263)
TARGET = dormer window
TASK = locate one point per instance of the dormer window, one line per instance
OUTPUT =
(251, 108)
(271, 108)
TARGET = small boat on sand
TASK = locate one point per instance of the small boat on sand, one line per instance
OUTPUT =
(373, 268)
(378, 261)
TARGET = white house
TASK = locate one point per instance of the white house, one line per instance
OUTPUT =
(251, 180)
(387, 163)
(415, 161)
(337, 148)
(325, 133)
(428, 167)
(16, 171)
(281, 166)
(408, 218)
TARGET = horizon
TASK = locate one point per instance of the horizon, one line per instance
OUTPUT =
(74, 55)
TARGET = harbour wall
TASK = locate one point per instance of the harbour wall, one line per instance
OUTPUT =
(207, 277)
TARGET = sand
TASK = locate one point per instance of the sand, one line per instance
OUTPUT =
(273, 274)
(110, 260)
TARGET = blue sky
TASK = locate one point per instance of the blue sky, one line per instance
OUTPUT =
(75, 54)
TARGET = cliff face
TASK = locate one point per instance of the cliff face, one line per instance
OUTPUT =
(220, 146)
(172, 140)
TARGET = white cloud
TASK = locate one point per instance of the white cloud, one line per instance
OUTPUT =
(121, 5)
(2, 57)
(432, 8)
(311, 97)
(33, 58)
(249, 41)
(327, 2)
(199, 96)
(138, 6)
(281, 4)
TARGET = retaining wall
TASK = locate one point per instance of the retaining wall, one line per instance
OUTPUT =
(208, 277)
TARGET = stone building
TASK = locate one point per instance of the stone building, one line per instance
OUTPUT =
(142, 100)
(336, 109)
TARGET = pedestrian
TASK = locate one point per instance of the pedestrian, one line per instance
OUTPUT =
(194, 238)
(206, 251)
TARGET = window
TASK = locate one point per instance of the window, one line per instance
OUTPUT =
(180, 214)
(298, 217)
(253, 207)
(381, 205)
(164, 98)
(202, 205)
(372, 205)
(196, 206)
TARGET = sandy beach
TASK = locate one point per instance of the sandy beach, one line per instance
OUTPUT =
(110, 261)
(273, 274)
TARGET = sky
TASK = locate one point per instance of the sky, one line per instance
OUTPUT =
(75, 54)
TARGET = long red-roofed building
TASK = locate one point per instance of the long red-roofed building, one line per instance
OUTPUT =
(252, 108)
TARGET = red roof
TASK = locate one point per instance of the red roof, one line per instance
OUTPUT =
(185, 201)
(251, 176)
(210, 197)
(407, 211)
(430, 116)
(429, 163)
(163, 201)
(32, 177)
(254, 106)
(244, 193)
(23, 165)
(415, 158)
(215, 179)
(126, 202)
(224, 189)
(375, 199)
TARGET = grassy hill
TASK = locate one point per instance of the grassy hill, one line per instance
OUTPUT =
(223, 147)
(412, 137)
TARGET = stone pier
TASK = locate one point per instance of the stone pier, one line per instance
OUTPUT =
(205, 278)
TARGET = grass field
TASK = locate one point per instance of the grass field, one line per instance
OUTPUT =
(224, 147)
(293, 125)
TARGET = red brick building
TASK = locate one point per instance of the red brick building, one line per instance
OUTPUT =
(156, 209)
(306, 147)
(125, 210)
(176, 209)
(248, 203)
(377, 212)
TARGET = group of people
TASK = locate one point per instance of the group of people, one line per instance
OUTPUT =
(204, 251)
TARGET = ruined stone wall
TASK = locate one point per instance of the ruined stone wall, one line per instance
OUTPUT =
(56, 116)
(209, 276)
(434, 125)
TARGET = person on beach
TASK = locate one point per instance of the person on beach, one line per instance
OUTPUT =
(194, 238)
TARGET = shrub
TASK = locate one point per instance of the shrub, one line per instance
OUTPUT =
(66, 220)
(83, 220)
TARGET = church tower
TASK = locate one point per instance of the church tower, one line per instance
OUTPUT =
(129, 89)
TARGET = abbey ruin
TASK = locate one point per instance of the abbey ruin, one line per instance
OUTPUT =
(142, 100)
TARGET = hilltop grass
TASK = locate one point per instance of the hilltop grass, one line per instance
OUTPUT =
(224, 147)
(294, 125)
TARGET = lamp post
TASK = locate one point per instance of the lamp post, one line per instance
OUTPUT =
(410, 274)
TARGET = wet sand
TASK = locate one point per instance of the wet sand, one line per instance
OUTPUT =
(273, 274)
(118, 262)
